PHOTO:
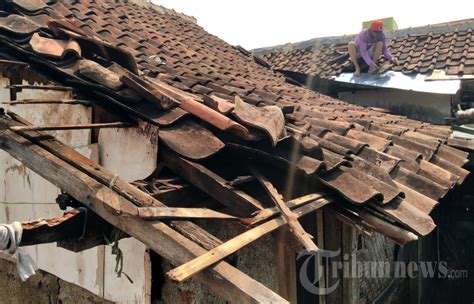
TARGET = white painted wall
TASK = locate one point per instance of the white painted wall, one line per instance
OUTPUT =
(24, 195)
(130, 153)
(417, 105)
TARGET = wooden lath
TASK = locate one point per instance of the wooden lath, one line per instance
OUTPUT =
(73, 127)
(215, 255)
(88, 182)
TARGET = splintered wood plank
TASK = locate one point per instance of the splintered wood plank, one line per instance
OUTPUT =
(225, 280)
(220, 252)
(72, 127)
(215, 186)
(298, 231)
(267, 213)
(151, 213)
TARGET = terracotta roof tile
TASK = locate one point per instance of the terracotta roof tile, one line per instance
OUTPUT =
(382, 148)
(420, 53)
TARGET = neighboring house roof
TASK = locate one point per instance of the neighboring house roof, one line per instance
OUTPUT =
(384, 162)
(448, 47)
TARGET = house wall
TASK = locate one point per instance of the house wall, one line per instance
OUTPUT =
(24, 195)
(43, 287)
(416, 105)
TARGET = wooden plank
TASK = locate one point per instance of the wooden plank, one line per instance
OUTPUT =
(151, 213)
(73, 127)
(298, 231)
(223, 279)
(239, 202)
(267, 213)
(43, 101)
(220, 252)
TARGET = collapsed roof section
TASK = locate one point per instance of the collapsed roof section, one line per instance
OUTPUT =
(226, 123)
(447, 49)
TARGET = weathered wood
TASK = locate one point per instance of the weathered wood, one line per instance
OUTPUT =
(223, 279)
(267, 213)
(73, 127)
(215, 186)
(286, 265)
(350, 284)
(298, 231)
(67, 226)
(333, 242)
(150, 213)
(220, 252)
(43, 101)
(320, 242)
(89, 167)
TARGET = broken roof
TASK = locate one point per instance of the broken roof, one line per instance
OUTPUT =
(220, 109)
(446, 47)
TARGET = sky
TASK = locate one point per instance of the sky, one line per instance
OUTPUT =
(261, 23)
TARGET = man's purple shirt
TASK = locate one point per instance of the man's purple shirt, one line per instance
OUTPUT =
(364, 41)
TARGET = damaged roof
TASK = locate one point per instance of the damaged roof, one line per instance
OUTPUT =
(447, 47)
(221, 108)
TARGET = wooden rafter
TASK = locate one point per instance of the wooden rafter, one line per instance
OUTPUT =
(212, 184)
(225, 280)
(72, 127)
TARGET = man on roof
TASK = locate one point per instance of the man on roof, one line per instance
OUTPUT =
(370, 42)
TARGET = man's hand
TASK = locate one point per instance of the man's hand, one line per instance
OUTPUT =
(373, 69)
(395, 61)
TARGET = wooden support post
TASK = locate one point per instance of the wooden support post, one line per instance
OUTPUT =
(73, 127)
(320, 242)
(298, 231)
(333, 242)
(286, 265)
(350, 293)
(223, 279)
(215, 186)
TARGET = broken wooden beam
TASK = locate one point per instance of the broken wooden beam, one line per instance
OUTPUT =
(220, 252)
(73, 127)
(237, 201)
(225, 280)
(298, 231)
(42, 231)
(155, 213)
(76, 230)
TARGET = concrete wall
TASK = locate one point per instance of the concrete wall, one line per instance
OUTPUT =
(41, 288)
(416, 105)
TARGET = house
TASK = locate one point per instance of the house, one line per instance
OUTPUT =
(431, 83)
(170, 144)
